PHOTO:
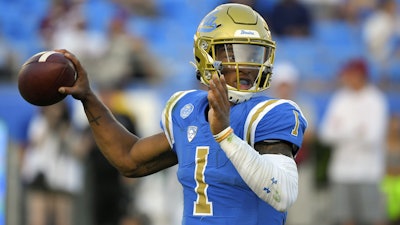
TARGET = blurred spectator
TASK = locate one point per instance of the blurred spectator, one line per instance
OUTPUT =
(353, 11)
(115, 58)
(391, 183)
(51, 167)
(7, 63)
(381, 31)
(9, 59)
(163, 188)
(125, 59)
(139, 219)
(108, 192)
(146, 8)
(290, 18)
(355, 125)
(285, 17)
(61, 15)
(285, 85)
(65, 27)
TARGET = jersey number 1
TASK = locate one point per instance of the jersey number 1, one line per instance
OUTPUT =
(201, 206)
(295, 130)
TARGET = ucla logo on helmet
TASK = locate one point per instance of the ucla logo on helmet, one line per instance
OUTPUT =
(208, 23)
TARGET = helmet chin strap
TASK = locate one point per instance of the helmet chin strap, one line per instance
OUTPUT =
(237, 97)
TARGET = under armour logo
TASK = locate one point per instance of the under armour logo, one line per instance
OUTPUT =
(273, 181)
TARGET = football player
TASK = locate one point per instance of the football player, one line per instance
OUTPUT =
(234, 146)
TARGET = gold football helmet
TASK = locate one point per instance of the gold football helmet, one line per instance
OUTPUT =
(235, 37)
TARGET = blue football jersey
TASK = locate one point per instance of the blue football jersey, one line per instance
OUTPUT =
(214, 192)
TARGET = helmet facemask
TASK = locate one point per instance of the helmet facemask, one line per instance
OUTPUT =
(250, 62)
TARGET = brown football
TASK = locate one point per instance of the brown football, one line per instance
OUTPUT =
(42, 75)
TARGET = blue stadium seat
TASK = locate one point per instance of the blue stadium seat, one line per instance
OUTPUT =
(15, 112)
(302, 52)
(394, 102)
(335, 31)
(393, 71)
(98, 14)
(338, 42)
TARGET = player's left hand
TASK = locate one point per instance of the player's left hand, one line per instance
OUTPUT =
(218, 115)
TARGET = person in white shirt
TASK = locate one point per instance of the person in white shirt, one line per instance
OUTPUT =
(355, 125)
(381, 31)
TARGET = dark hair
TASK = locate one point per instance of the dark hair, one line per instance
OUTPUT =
(357, 64)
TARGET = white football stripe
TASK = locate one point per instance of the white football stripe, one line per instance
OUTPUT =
(43, 58)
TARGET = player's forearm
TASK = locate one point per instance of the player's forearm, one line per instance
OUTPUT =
(272, 177)
(114, 141)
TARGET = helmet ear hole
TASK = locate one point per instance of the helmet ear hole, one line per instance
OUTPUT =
(198, 75)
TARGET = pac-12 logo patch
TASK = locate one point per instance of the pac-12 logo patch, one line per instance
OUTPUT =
(186, 110)
(191, 132)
